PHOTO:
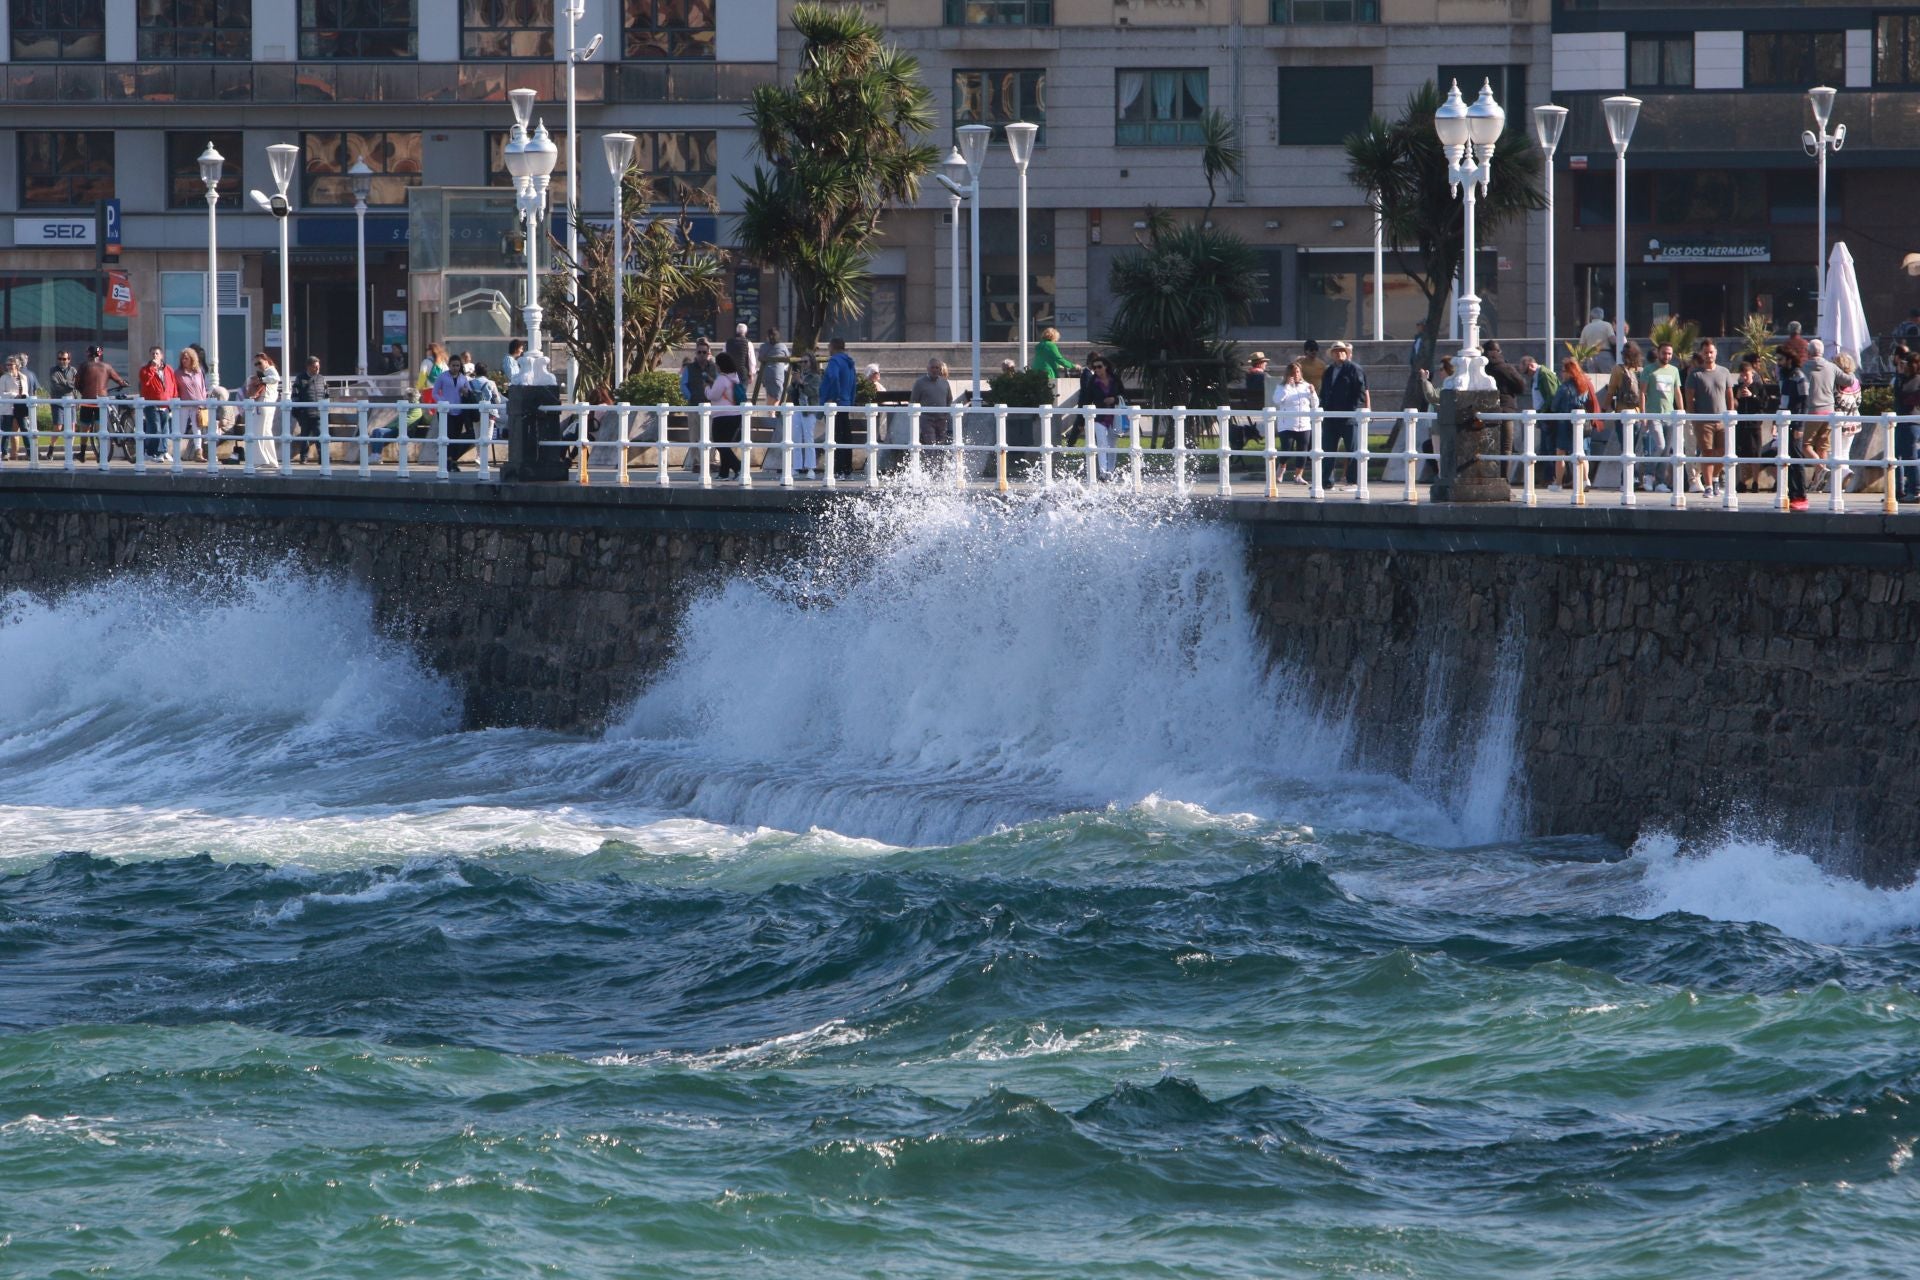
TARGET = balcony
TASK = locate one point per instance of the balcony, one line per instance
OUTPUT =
(409, 83)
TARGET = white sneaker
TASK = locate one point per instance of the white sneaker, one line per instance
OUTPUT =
(1554, 487)
(1646, 484)
(1663, 488)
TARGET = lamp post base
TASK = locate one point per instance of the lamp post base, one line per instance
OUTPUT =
(1464, 439)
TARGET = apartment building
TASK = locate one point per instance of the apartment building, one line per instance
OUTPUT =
(114, 100)
(1119, 88)
(1721, 205)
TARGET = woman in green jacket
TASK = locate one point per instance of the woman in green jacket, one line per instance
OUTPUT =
(1049, 359)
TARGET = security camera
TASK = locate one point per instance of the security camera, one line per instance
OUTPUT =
(277, 205)
(950, 184)
(593, 47)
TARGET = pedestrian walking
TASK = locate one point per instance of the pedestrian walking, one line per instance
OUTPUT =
(90, 381)
(1660, 388)
(726, 395)
(1710, 394)
(60, 384)
(775, 359)
(1343, 390)
(263, 394)
(1796, 396)
(803, 388)
(1906, 433)
(934, 390)
(13, 396)
(1298, 402)
(744, 365)
(1573, 401)
(309, 408)
(1049, 359)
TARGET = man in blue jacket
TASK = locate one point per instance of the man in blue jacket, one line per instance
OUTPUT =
(839, 384)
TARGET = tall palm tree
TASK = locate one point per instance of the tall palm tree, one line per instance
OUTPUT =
(839, 146)
(1221, 154)
(1401, 167)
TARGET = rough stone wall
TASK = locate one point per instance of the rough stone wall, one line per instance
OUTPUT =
(548, 626)
(1705, 697)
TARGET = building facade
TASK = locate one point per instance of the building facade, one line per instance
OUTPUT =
(1721, 204)
(114, 100)
(1119, 88)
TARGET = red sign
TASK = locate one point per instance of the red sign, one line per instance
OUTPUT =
(120, 299)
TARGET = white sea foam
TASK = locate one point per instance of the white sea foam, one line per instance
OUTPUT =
(1749, 880)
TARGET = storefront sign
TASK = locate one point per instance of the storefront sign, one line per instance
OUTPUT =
(120, 299)
(383, 230)
(54, 233)
(1709, 249)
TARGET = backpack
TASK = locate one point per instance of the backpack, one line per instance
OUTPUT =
(1625, 392)
(469, 394)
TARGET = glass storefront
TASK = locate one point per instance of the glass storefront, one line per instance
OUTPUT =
(43, 312)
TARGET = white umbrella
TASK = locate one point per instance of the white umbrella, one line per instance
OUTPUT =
(1846, 327)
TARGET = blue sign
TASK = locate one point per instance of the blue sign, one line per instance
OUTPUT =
(333, 230)
(112, 238)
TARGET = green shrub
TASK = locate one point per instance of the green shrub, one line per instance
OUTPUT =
(1028, 388)
(1876, 400)
(654, 386)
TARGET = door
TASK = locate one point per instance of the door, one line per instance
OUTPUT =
(1705, 303)
(324, 324)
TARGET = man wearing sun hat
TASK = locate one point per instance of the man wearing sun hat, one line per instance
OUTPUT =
(1242, 430)
(1343, 389)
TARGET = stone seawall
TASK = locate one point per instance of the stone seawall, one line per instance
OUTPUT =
(1696, 671)
(1664, 668)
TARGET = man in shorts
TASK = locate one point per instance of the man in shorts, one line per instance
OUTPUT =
(1710, 391)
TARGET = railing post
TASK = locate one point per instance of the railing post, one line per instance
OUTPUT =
(1269, 425)
(957, 431)
(706, 446)
(1136, 452)
(483, 433)
(746, 446)
(1529, 427)
(623, 436)
(1090, 443)
(67, 421)
(1315, 489)
(176, 440)
(361, 429)
(1362, 454)
(1180, 450)
(873, 445)
(1577, 424)
(1411, 445)
(1729, 462)
(786, 446)
(1221, 447)
(661, 421)
(402, 410)
(1890, 502)
(914, 469)
(1629, 483)
(1836, 498)
(830, 417)
(140, 438)
(1677, 448)
(1046, 447)
(1782, 431)
(583, 443)
(1000, 446)
(443, 467)
(325, 441)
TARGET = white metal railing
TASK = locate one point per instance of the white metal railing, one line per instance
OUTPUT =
(1260, 453)
(427, 441)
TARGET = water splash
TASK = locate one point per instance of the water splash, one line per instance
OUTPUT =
(1747, 879)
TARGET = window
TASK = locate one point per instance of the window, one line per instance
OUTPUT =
(65, 170)
(882, 316)
(1795, 59)
(185, 190)
(679, 164)
(1320, 106)
(1159, 108)
(1896, 50)
(1793, 196)
(999, 13)
(196, 30)
(497, 175)
(1660, 62)
(393, 157)
(999, 98)
(668, 28)
(506, 28)
(1307, 11)
(357, 29)
(1710, 197)
(1509, 84)
(58, 30)
(1593, 197)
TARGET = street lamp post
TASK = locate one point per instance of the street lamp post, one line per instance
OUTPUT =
(575, 11)
(1468, 134)
(362, 179)
(956, 169)
(1622, 114)
(280, 159)
(1379, 272)
(1817, 145)
(973, 152)
(530, 160)
(211, 163)
(1548, 121)
(1020, 137)
(619, 149)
